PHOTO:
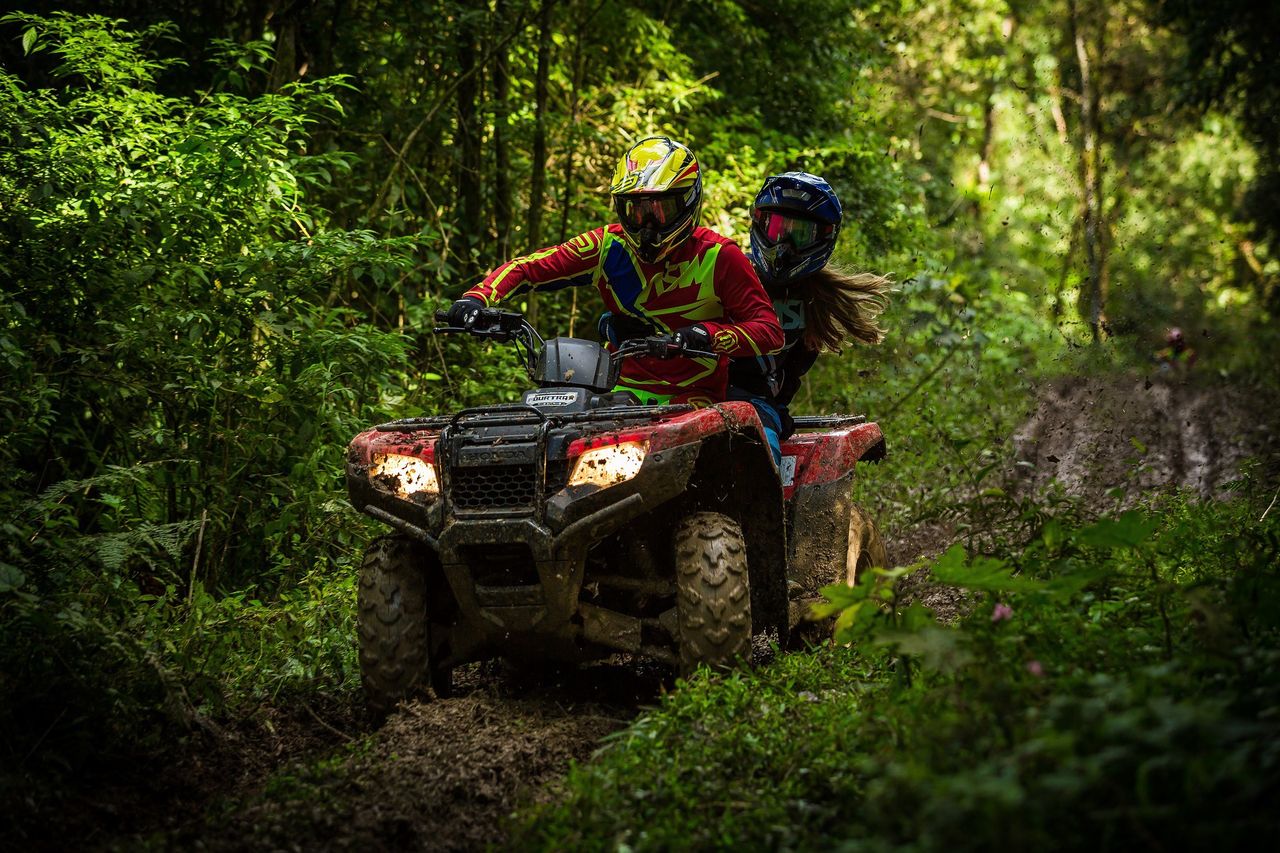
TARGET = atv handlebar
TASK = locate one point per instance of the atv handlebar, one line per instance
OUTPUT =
(491, 323)
(659, 346)
(510, 325)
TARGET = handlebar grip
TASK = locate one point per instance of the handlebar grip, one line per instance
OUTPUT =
(442, 316)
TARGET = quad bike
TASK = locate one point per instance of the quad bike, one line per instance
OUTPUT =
(578, 523)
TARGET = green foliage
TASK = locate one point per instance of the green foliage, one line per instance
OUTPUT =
(180, 381)
(1055, 711)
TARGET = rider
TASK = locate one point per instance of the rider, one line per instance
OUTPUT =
(795, 220)
(661, 271)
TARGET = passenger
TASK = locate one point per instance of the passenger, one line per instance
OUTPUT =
(795, 220)
(658, 270)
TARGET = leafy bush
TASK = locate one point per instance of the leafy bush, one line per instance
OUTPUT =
(179, 384)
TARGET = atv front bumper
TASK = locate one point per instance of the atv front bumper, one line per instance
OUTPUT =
(517, 578)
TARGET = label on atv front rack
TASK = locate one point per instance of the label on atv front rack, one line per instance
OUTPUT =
(552, 399)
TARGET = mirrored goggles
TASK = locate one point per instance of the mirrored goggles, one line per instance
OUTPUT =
(779, 227)
(638, 211)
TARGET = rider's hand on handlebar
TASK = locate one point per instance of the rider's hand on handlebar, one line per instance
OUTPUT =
(695, 337)
(464, 312)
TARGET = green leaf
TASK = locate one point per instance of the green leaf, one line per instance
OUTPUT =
(1129, 530)
(840, 596)
(28, 41)
(982, 573)
(853, 621)
(917, 617)
(1052, 535)
(11, 578)
(939, 648)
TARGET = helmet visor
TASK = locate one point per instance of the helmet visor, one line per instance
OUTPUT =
(650, 210)
(778, 227)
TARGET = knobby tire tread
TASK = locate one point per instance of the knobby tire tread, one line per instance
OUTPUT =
(713, 591)
(392, 623)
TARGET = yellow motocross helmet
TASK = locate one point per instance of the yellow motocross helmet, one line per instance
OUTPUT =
(657, 191)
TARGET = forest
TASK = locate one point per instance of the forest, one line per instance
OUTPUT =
(226, 227)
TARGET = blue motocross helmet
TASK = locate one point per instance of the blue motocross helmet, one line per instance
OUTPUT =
(795, 220)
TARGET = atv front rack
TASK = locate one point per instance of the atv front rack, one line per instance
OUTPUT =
(517, 413)
(828, 421)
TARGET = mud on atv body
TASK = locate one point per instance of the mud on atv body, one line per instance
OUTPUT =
(577, 523)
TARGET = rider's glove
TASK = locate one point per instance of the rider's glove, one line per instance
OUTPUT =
(464, 312)
(617, 328)
(695, 337)
(607, 328)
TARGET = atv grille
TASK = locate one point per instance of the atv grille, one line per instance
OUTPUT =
(490, 487)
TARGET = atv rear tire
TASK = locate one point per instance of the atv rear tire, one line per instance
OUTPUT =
(866, 548)
(394, 631)
(713, 601)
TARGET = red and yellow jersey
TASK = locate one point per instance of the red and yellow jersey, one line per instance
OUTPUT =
(707, 280)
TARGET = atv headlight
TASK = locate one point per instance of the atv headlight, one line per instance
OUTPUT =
(403, 475)
(609, 465)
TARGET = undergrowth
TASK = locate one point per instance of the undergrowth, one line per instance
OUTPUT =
(1114, 683)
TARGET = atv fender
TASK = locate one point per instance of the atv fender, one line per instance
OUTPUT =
(818, 479)
(735, 476)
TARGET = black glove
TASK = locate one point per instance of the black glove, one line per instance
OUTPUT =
(463, 312)
(605, 327)
(616, 328)
(695, 337)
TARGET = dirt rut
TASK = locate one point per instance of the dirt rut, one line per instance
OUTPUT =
(443, 774)
(1096, 435)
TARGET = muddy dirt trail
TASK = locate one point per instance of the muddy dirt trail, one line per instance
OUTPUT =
(441, 774)
(446, 774)
(1095, 435)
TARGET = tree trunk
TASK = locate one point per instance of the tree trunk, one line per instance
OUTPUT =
(538, 181)
(501, 152)
(988, 136)
(1067, 260)
(579, 65)
(1090, 173)
(286, 20)
(471, 156)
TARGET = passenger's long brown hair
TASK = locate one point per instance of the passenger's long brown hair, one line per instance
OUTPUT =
(840, 305)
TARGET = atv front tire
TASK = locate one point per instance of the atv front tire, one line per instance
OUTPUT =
(394, 630)
(713, 602)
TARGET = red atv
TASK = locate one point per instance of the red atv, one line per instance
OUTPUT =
(578, 523)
